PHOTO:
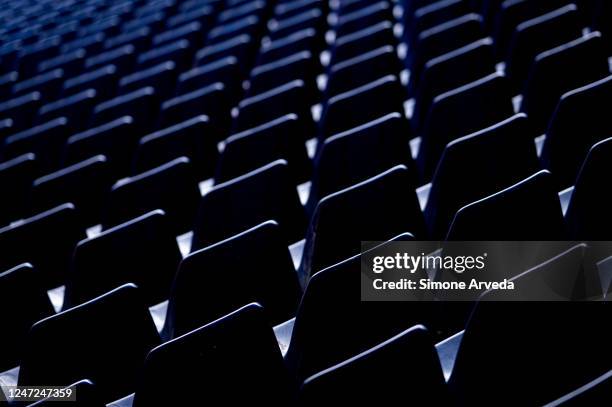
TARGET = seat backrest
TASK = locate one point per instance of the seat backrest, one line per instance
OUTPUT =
(587, 215)
(560, 70)
(254, 265)
(375, 375)
(460, 112)
(528, 210)
(16, 178)
(234, 358)
(105, 339)
(361, 153)
(281, 138)
(579, 121)
(141, 251)
(46, 240)
(267, 193)
(171, 187)
(24, 297)
(373, 210)
(532, 340)
(479, 165)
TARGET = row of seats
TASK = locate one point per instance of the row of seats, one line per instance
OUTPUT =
(280, 135)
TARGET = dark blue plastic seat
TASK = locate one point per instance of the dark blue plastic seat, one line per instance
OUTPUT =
(535, 338)
(361, 153)
(24, 297)
(459, 112)
(117, 140)
(48, 84)
(333, 324)
(195, 139)
(142, 105)
(102, 79)
(87, 396)
(211, 100)
(514, 12)
(203, 14)
(291, 97)
(240, 46)
(191, 32)
(140, 39)
(205, 285)
(105, 339)
(256, 147)
(76, 108)
(478, 165)
(449, 71)
(22, 109)
(235, 359)
(443, 38)
(71, 62)
(142, 251)
(364, 17)
(538, 35)
(561, 70)
(16, 176)
(123, 57)
(85, 184)
(433, 14)
(46, 240)
(354, 108)
(267, 193)
(313, 18)
(303, 65)
(303, 40)
(178, 52)
(528, 210)
(171, 187)
(376, 209)
(587, 216)
(161, 77)
(358, 42)
(250, 25)
(225, 70)
(45, 140)
(379, 371)
(579, 121)
(362, 69)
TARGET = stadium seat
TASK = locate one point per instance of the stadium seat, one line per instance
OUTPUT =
(533, 336)
(373, 210)
(46, 240)
(528, 210)
(281, 138)
(587, 215)
(254, 265)
(116, 140)
(16, 176)
(561, 70)
(353, 108)
(87, 396)
(172, 187)
(234, 358)
(105, 339)
(23, 293)
(449, 71)
(477, 165)
(141, 251)
(489, 102)
(267, 193)
(85, 184)
(379, 372)
(361, 153)
(580, 111)
(537, 35)
(194, 138)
